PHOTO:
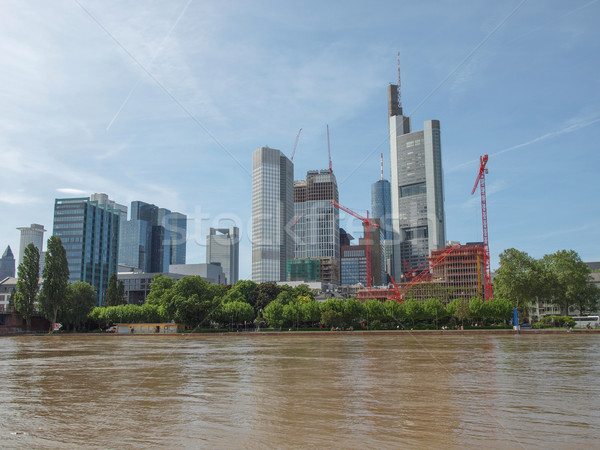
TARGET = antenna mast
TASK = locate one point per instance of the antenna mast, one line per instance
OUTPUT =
(329, 150)
(382, 167)
(399, 86)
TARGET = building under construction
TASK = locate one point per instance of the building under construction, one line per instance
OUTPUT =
(456, 271)
(317, 225)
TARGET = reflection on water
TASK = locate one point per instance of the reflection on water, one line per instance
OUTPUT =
(339, 390)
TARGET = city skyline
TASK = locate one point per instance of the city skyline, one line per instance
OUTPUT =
(118, 101)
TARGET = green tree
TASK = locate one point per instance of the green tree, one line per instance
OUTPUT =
(292, 314)
(235, 311)
(500, 309)
(332, 318)
(395, 311)
(352, 310)
(519, 277)
(27, 283)
(273, 314)
(477, 308)
(374, 313)
(81, 299)
(571, 277)
(264, 294)
(414, 310)
(112, 297)
(311, 311)
(56, 279)
(462, 312)
(160, 286)
(434, 310)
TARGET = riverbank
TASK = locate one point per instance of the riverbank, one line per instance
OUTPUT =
(527, 331)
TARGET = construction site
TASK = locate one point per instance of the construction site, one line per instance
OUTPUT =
(456, 271)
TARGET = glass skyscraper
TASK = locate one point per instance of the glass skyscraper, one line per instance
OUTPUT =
(153, 238)
(381, 206)
(89, 232)
(416, 189)
(223, 247)
(272, 214)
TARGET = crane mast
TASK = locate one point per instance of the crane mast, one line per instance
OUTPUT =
(486, 248)
(296, 144)
(369, 225)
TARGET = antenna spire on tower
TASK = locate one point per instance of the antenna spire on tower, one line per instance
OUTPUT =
(399, 86)
(329, 150)
(382, 167)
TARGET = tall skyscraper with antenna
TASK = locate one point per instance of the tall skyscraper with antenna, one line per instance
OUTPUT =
(417, 191)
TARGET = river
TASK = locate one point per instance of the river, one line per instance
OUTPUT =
(343, 390)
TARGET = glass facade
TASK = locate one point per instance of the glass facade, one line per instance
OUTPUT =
(272, 214)
(354, 265)
(381, 206)
(418, 220)
(223, 248)
(153, 238)
(90, 234)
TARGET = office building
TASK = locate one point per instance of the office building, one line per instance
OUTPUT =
(223, 247)
(416, 189)
(31, 235)
(317, 222)
(272, 214)
(153, 238)
(7, 264)
(381, 207)
(89, 231)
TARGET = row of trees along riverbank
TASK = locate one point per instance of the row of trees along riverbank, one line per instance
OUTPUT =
(57, 300)
(560, 278)
(200, 305)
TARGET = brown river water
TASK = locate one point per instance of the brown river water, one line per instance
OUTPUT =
(342, 390)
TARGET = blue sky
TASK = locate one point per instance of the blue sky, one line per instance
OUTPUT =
(165, 101)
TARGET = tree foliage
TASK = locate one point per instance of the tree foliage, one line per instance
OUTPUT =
(56, 279)
(570, 280)
(80, 301)
(519, 277)
(113, 296)
(28, 275)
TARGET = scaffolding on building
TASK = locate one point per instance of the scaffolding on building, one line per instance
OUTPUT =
(459, 274)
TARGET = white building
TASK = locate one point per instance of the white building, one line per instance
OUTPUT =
(272, 214)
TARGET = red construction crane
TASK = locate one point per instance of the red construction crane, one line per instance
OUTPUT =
(368, 226)
(399, 294)
(329, 151)
(486, 248)
(296, 144)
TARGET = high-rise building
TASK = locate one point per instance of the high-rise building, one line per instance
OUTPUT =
(317, 222)
(272, 214)
(89, 231)
(223, 247)
(381, 206)
(31, 235)
(416, 186)
(153, 238)
(177, 224)
(7, 264)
